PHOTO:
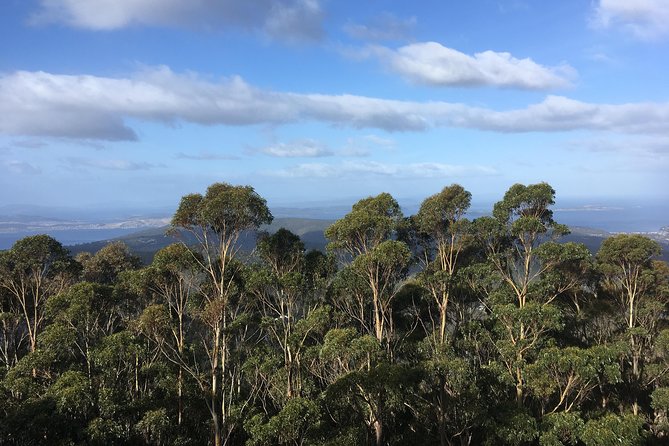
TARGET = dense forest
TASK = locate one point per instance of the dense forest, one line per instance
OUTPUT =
(428, 329)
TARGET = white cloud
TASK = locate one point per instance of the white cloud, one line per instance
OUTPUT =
(284, 19)
(294, 20)
(379, 141)
(364, 145)
(305, 148)
(34, 104)
(354, 151)
(512, 6)
(386, 26)
(644, 19)
(29, 144)
(205, 156)
(654, 147)
(431, 63)
(109, 164)
(22, 167)
(355, 169)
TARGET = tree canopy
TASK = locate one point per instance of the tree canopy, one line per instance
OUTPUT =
(430, 329)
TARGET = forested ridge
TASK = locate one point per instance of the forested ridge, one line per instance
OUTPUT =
(428, 329)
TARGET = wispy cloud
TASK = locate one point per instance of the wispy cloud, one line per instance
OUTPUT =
(379, 141)
(303, 148)
(110, 164)
(591, 208)
(599, 55)
(365, 145)
(643, 19)
(385, 26)
(29, 143)
(512, 6)
(354, 169)
(205, 156)
(282, 19)
(431, 63)
(92, 107)
(21, 167)
(648, 146)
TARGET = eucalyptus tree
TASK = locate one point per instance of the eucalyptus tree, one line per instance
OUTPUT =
(371, 221)
(514, 240)
(364, 239)
(279, 283)
(359, 385)
(293, 319)
(32, 271)
(631, 277)
(441, 219)
(85, 313)
(526, 222)
(217, 220)
(105, 265)
(12, 337)
(173, 278)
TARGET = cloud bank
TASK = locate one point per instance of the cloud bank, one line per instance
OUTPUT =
(386, 26)
(110, 164)
(304, 148)
(205, 155)
(356, 169)
(644, 19)
(21, 167)
(282, 19)
(92, 107)
(431, 63)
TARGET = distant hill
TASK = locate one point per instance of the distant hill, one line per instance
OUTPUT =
(593, 238)
(146, 243)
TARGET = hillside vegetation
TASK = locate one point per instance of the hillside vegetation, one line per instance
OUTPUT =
(428, 329)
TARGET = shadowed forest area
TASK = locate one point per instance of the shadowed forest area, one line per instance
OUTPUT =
(428, 329)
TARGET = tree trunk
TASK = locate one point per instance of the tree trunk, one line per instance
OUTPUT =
(180, 396)
(378, 432)
(519, 387)
(443, 440)
(378, 317)
(442, 319)
(216, 427)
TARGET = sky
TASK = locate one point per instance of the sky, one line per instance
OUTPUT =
(138, 102)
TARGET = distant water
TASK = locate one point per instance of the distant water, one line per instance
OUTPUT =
(615, 216)
(67, 237)
(614, 221)
(610, 216)
(607, 215)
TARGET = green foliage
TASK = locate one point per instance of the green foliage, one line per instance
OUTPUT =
(426, 330)
(102, 431)
(108, 263)
(512, 426)
(660, 399)
(391, 257)
(72, 394)
(613, 430)
(282, 250)
(223, 209)
(627, 249)
(440, 214)
(154, 426)
(526, 202)
(35, 254)
(561, 428)
(293, 425)
(371, 221)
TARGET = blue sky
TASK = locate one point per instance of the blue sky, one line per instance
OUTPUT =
(138, 102)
